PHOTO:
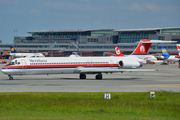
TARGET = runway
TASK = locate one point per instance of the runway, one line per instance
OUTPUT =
(166, 79)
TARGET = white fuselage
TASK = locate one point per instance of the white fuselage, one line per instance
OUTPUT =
(146, 57)
(19, 55)
(68, 65)
(171, 58)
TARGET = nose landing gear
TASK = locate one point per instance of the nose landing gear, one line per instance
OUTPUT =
(10, 77)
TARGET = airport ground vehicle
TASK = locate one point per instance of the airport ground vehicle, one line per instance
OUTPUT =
(2, 62)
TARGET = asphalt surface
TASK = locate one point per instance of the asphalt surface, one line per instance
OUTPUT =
(166, 79)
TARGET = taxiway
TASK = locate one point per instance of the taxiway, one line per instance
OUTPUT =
(166, 79)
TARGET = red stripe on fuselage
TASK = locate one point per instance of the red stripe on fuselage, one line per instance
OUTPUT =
(56, 66)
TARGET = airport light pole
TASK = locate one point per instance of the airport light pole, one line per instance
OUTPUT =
(15, 34)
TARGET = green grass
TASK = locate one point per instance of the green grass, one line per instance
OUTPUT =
(77, 106)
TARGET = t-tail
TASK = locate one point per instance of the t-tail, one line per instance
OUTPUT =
(12, 49)
(118, 52)
(164, 52)
(142, 47)
(178, 48)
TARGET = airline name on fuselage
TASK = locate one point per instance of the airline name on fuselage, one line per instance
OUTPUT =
(37, 60)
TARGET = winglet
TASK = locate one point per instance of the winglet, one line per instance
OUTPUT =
(12, 49)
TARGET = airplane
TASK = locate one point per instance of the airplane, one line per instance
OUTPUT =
(17, 55)
(77, 65)
(142, 49)
(166, 56)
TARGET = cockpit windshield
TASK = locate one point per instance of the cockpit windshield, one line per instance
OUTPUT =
(11, 63)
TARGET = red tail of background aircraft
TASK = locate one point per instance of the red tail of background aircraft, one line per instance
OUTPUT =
(142, 48)
(118, 52)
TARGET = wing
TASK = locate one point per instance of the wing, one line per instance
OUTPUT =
(101, 70)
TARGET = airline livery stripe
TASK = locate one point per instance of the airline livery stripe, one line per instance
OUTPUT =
(139, 54)
(57, 66)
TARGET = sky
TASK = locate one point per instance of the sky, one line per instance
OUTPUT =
(20, 16)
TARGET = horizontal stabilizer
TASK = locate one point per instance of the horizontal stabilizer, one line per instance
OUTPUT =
(158, 41)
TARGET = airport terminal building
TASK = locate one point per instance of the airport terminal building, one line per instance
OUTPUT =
(93, 42)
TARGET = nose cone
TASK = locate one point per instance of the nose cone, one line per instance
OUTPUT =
(5, 70)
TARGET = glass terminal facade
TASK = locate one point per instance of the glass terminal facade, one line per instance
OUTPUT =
(98, 40)
(82, 36)
(134, 36)
(174, 31)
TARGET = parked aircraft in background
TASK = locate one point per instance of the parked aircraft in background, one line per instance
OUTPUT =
(166, 56)
(77, 65)
(143, 47)
(118, 52)
(17, 55)
(142, 50)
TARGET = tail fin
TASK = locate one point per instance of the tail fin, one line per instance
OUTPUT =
(118, 52)
(164, 52)
(12, 49)
(142, 48)
(178, 48)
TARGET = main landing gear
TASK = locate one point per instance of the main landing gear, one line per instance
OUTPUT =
(10, 77)
(82, 76)
(98, 76)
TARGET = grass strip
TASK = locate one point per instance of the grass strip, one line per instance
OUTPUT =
(60, 105)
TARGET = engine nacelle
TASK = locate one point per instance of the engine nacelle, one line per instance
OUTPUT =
(130, 64)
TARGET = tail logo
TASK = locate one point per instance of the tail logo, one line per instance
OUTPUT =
(12, 49)
(117, 51)
(142, 49)
(164, 51)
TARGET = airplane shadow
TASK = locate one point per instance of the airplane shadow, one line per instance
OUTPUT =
(101, 80)
(39, 79)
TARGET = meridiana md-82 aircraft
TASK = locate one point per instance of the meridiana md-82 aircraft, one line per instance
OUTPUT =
(75, 65)
(18, 55)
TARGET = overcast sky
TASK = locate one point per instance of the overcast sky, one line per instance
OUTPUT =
(32, 15)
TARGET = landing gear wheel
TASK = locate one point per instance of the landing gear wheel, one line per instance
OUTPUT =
(10, 77)
(99, 77)
(82, 76)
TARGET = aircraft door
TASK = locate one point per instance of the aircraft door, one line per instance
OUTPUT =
(23, 62)
(111, 63)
